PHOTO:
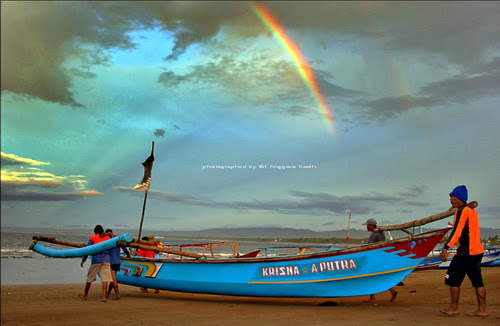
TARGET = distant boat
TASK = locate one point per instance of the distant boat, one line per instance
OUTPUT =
(429, 262)
(489, 258)
(496, 261)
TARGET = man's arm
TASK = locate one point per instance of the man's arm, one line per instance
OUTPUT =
(84, 258)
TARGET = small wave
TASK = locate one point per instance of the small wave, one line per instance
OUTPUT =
(19, 253)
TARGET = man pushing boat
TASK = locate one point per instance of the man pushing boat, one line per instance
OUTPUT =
(100, 262)
(467, 261)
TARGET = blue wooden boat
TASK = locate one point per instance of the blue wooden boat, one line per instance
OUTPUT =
(354, 271)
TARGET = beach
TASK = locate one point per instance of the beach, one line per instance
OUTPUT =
(417, 303)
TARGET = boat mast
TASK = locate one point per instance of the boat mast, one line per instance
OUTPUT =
(348, 227)
(145, 194)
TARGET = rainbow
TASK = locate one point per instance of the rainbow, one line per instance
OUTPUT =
(300, 63)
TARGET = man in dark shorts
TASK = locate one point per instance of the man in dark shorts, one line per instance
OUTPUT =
(114, 257)
(467, 260)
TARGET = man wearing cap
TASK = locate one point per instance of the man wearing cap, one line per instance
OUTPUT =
(376, 236)
(467, 260)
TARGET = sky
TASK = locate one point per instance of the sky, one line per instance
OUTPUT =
(269, 114)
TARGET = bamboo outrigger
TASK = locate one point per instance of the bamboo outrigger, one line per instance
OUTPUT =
(404, 226)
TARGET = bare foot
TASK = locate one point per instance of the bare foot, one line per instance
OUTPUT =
(393, 297)
(449, 312)
(370, 301)
(81, 296)
(477, 314)
(157, 291)
(103, 300)
(117, 298)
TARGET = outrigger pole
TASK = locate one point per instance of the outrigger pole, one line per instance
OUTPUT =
(145, 183)
(423, 221)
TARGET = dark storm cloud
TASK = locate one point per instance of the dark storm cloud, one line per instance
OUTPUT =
(473, 85)
(465, 89)
(6, 162)
(413, 191)
(38, 37)
(159, 132)
(384, 109)
(301, 202)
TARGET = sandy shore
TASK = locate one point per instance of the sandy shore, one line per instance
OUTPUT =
(417, 303)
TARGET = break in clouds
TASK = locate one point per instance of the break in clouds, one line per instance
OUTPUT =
(25, 179)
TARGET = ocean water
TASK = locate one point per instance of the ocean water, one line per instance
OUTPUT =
(20, 265)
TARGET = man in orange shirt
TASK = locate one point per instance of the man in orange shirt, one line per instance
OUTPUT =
(467, 260)
(149, 254)
(100, 262)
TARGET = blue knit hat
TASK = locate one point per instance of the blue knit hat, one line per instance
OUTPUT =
(460, 192)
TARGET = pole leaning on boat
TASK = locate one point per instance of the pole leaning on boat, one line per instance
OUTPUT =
(425, 220)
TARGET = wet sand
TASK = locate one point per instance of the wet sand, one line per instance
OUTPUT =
(417, 303)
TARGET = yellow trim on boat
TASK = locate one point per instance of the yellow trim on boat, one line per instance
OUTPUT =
(332, 279)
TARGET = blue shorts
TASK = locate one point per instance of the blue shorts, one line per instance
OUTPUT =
(462, 265)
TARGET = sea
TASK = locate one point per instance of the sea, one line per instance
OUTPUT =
(20, 265)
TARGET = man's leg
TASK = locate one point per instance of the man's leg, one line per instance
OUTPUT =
(453, 308)
(394, 293)
(115, 285)
(477, 282)
(109, 289)
(371, 299)
(86, 292)
(481, 303)
(104, 291)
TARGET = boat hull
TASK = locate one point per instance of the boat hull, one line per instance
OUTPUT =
(355, 271)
